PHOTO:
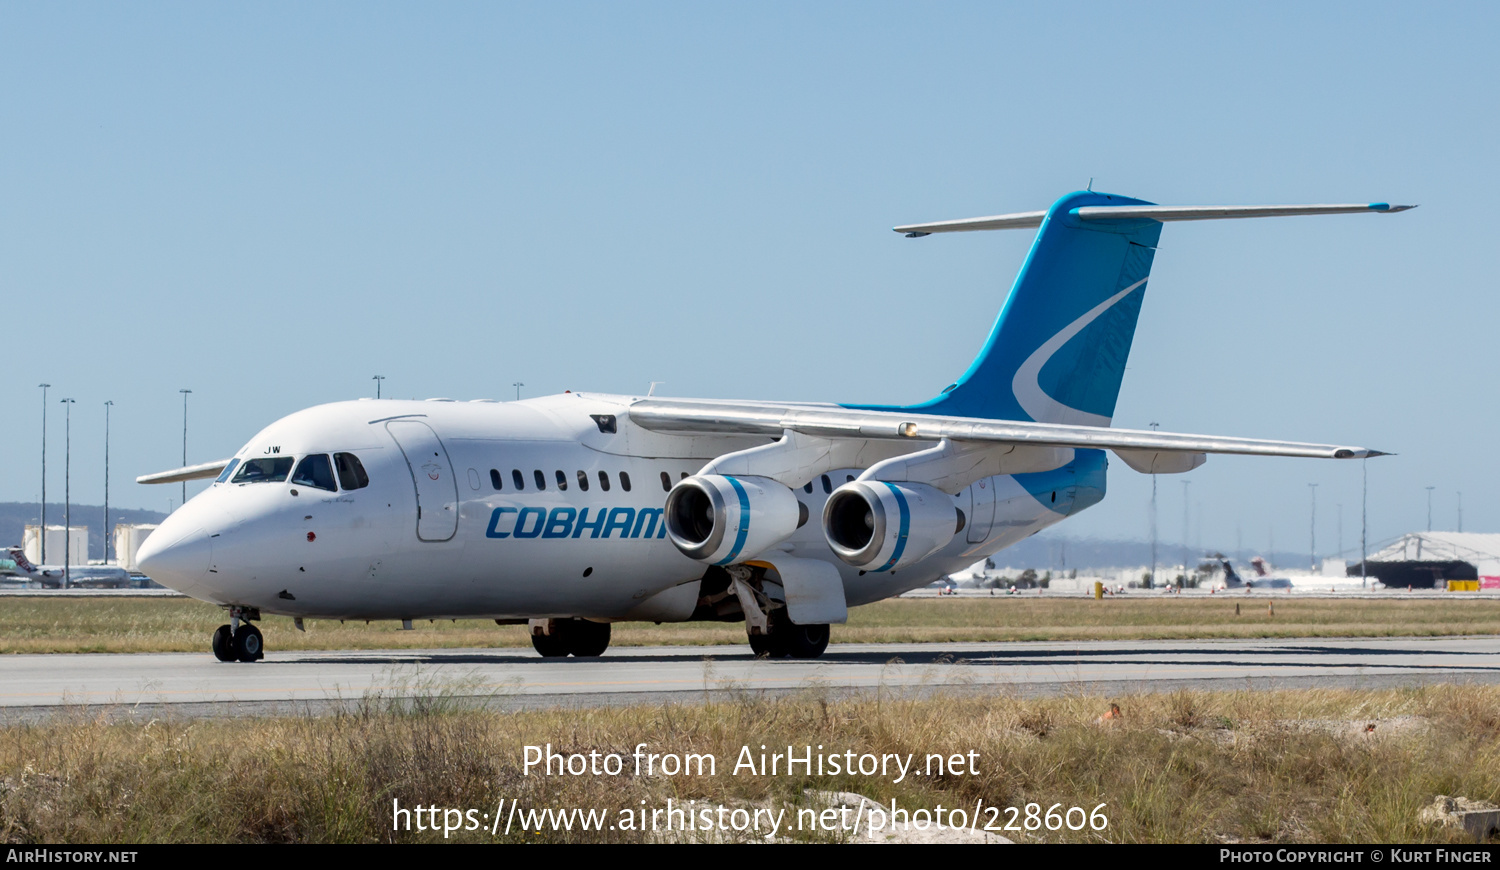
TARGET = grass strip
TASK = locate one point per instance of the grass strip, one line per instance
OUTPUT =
(97, 625)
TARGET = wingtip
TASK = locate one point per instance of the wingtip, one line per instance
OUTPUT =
(1387, 208)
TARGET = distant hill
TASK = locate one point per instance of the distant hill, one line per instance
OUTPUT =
(16, 516)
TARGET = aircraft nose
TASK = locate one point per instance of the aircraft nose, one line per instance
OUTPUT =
(176, 555)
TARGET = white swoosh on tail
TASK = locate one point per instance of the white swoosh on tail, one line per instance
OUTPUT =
(1028, 390)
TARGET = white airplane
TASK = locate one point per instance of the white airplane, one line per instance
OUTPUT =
(74, 576)
(1261, 580)
(575, 511)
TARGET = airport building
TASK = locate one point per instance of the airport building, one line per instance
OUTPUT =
(128, 540)
(1423, 560)
(78, 544)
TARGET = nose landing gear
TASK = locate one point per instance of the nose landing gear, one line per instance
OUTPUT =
(239, 640)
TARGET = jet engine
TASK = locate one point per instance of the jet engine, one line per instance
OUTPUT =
(875, 525)
(721, 520)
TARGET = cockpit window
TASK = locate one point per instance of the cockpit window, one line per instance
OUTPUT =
(268, 469)
(352, 471)
(316, 471)
(228, 470)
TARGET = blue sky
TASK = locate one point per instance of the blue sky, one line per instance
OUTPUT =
(269, 203)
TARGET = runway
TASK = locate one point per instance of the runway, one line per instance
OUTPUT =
(40, 686)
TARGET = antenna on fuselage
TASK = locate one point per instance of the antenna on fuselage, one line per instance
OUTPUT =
(652, 390)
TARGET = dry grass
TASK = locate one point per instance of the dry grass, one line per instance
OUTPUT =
(182, 625)
(1295, 766)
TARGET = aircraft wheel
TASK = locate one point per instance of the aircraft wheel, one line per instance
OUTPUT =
(770, 646)
(554, 645)
(248, 644)
(805, 641)
(588, 639)
(223, 644)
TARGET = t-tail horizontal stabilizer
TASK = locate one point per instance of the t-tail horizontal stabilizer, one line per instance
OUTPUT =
(1032, 219)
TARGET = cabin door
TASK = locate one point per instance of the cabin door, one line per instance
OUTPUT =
(432, 474)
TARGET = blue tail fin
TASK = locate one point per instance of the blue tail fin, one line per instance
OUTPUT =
(1058, 349)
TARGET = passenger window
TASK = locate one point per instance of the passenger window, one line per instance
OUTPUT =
(264, 470)
(848, 478)
(684, 475)
(316, 471)
(666, 482)
(228, 470)
(495, 479)
(625, 481)
(562, 481)
(351, 471)
(808, 489)
(583, 481)
(604, 480)
(827, 485)
(541, 480)
(518, 480)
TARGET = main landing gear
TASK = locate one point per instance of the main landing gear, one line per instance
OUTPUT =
(772, 633)
(559, 638)
(239, 641)
(788, 640)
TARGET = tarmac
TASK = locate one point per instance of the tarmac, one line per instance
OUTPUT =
(39, 687)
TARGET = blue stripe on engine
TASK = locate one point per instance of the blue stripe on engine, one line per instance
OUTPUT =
(902, 532)
(739, 538)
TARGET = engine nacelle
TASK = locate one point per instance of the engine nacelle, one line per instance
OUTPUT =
(721, 520)
(879, 526)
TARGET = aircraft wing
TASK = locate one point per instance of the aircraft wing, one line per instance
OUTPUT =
(187, 472)
(835, 422)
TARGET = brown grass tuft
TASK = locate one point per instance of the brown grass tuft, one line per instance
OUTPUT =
(1293, 766)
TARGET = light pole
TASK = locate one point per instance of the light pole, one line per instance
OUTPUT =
(1152, 583)
(42, 557)
(67, 492)
(518, 385)
(184, 440)
(1429, 507)
(1312, 531)
(107, 405)
(377, 379)
(1185, 503)
(1364, 516)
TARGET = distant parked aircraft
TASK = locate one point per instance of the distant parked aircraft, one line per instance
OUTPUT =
(1262, 579)
(58, 577)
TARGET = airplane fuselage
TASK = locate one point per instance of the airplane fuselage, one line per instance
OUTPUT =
(570, 512)
(545, 508)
